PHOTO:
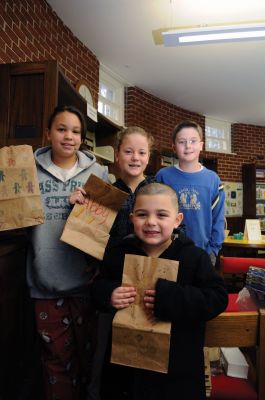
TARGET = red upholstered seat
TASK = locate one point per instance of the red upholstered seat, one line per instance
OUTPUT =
(234, 270)
(228, 388)
(232, 305)
(239, 265)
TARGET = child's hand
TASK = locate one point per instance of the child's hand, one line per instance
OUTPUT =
(123, 296)
(78, 196)
(149, 300)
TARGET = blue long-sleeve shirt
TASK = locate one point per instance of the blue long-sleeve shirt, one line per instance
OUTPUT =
(201, 199)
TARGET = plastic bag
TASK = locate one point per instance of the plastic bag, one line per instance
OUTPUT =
(246, 300)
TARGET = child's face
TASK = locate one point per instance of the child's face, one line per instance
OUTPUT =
(188, 145)
(65, 135)
(154, 218)
(133, 155)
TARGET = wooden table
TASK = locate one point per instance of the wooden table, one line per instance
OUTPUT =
(230, 241)
(243, 247)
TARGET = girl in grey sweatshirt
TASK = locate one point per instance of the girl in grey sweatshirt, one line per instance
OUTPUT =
(58, 274)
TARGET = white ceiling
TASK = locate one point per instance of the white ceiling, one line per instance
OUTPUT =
(225, 81)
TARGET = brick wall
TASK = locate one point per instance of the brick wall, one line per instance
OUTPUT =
(159, 117)
(31, 31)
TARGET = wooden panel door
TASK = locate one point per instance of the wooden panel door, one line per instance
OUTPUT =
(26, 109)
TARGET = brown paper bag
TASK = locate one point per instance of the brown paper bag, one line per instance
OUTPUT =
(137, 341)
(88, 225)
(20, 200)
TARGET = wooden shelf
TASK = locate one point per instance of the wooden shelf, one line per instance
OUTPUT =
(250, 184)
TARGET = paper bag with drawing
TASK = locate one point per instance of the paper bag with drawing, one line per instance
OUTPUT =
(20, 200)
(136, 340)
(88, 225)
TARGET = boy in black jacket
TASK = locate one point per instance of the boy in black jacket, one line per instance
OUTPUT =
(197, 296)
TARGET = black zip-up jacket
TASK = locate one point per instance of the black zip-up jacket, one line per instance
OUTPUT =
(122, 225)
(197, 296)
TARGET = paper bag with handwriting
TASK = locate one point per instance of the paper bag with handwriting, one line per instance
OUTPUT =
(88, 225)
(20, 200)
(136, 340)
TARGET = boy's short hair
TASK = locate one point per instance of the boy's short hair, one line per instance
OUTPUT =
(158, 188)
(186, 124)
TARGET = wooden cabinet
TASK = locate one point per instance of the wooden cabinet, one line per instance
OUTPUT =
(29, 92)
(253, 176)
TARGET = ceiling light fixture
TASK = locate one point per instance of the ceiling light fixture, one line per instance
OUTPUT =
(218, 34)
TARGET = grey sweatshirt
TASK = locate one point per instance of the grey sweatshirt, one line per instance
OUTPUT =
(54, 268)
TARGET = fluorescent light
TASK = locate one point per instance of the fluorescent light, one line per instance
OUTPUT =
(219, 34)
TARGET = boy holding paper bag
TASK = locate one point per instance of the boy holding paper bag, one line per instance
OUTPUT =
(198, 295)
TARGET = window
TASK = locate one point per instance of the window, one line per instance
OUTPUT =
(111, 96)
(217, 136)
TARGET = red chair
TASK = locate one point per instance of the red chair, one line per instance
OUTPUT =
(237, 267)
(229, 388)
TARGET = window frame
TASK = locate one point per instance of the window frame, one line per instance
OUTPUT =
(220, 125)
(117, 86)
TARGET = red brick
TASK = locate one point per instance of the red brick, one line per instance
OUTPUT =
(12, 55)
(4, 58)
(25, 50)
(30, 6)
(2, 45)
(7, 15)
(2, 22)
(12, 34)
(5, 38)
(32, 48)
(27, 32)
(21, 35)
(18, 51)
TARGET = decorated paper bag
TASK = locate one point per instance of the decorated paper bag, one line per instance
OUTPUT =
(20, 201)
(136, 340)
(88, 225)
